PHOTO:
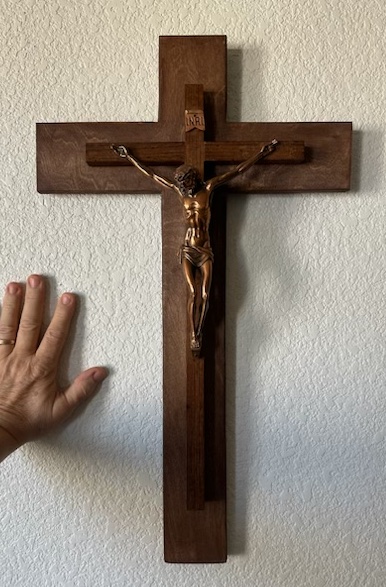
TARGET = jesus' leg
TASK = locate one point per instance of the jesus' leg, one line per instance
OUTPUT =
(189, 272)
(206, 277)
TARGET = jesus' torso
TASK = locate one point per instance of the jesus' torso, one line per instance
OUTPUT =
(197, 218)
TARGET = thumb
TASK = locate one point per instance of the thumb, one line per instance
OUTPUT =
(81, 389)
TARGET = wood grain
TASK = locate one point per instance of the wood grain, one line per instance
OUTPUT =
(62, 165)
(230, 153)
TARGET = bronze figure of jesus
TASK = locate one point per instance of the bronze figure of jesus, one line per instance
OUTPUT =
(195, 253)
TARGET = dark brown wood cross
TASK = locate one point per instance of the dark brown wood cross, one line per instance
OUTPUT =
(77, 158)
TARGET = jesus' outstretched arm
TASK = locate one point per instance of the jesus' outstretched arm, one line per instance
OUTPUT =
(125, 153)
(213, 183)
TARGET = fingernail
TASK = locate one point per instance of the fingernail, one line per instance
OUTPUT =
(13, 288)
(99, 375)
(66, 299)
(34, 281)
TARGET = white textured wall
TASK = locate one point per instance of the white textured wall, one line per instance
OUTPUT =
(306, 290)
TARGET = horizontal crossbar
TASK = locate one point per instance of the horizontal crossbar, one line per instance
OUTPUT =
(101, 154)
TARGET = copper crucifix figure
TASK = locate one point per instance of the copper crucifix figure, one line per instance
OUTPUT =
(195, 253)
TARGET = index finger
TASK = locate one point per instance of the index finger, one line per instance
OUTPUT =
(56, 334)
(9, 318)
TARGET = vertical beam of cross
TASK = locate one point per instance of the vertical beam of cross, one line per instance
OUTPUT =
(194, 466)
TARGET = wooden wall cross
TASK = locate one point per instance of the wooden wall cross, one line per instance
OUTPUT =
(78, 158)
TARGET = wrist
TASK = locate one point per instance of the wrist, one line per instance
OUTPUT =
(8, 443)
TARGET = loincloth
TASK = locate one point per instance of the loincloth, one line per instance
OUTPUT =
(197, 256)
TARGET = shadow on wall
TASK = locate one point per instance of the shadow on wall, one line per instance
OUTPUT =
(368, 151)
(241, 299)
(236, 57)
(302, 464)
(271, 230)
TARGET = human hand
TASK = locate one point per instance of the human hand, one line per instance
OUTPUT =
(31, 402)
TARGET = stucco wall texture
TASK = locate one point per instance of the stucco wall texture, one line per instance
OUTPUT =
(306, 282)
